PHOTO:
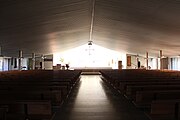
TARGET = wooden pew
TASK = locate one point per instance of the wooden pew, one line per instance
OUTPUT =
(144, 86)
(123, 85)
(57, 90)
(165, 110)
(144, 98)
(28, 87)
(46, 83)
(2, 113)
(55, 93)
(20, 110)
(131, 90)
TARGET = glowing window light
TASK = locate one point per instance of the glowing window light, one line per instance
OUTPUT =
(79, 57)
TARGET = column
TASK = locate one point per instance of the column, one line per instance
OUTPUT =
(147, 66)
(160, 56)
(20, 59)
(0, 50)
(33, 61)
(157, 63)
(42, 61)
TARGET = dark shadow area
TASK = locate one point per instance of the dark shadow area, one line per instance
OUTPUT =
(64, 112)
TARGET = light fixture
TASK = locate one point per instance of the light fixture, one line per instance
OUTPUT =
(90, 42)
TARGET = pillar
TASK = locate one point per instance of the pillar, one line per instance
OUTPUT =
(157, 63)
(160, 56)
(33, 61)
(147, 66)
(0, 51)
(20, 59)
(42, 62)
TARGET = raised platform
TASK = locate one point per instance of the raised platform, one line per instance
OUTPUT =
(92, 69)
(90, 73)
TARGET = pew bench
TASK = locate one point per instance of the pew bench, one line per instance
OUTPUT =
(165, 110)
(30, 109)
(131, 90)
(123, 85)
(145, 98)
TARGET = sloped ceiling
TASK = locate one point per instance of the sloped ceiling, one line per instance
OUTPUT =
(49, 26)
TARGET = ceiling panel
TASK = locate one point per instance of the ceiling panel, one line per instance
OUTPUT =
(49, 26)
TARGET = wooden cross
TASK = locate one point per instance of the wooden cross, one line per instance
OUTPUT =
(89, 50)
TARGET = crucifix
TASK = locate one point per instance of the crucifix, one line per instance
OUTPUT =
(90, 49)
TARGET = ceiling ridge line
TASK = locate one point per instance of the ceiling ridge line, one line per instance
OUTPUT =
(92, 21)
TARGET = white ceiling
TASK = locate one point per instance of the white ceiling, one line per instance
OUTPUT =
(49, 26)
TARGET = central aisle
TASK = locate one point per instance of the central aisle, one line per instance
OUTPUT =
(93, 100)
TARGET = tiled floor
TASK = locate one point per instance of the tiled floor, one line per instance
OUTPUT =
(93, 100)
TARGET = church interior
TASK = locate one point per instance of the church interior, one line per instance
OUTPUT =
(89, 60)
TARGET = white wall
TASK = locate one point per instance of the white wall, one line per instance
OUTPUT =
(153, 63)
(99, 57)
(5, 64)
(48, 62)
(12, 66)
(24, 64)
(174, 63)
(1, 63)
